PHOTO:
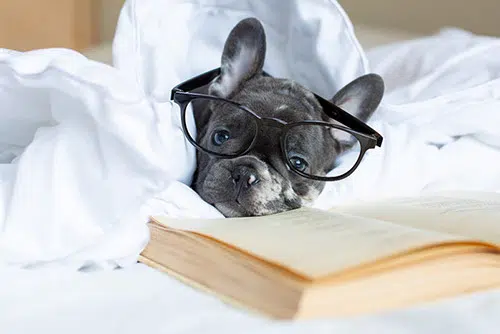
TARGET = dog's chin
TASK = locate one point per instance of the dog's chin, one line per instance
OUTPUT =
(233, 209)
(249, 208)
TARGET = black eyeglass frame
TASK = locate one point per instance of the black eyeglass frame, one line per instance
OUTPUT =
(367, 136)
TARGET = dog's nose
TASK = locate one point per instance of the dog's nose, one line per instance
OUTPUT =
(244, 176)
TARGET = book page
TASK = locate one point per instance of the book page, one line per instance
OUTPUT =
(311, 242)
(470, 214)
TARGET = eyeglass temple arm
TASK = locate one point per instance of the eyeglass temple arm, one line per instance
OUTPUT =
(195, 82)
(347, 119)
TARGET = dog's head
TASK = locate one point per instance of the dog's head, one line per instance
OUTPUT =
(260, 182)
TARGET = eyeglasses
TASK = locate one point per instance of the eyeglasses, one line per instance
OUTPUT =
(238, 136)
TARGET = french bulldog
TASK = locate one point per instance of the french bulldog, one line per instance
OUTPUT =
(260, 182)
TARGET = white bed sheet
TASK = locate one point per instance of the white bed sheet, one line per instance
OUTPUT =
(139, 299)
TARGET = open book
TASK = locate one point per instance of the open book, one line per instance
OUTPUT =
(352, 259)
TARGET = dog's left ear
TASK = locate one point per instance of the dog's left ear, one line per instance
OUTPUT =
(360, 98)
(242, 58)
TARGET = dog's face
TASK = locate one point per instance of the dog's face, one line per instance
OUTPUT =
(260, 182)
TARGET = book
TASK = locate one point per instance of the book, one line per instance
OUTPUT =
(352, 259)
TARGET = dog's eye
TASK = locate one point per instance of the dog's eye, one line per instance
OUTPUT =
(299, 163)
(220, 137)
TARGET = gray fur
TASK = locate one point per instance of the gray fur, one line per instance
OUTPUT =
(278, 189)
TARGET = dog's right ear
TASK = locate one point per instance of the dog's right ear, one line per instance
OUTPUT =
(242, 58)
(360, 98)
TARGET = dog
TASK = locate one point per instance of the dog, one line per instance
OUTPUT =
(260, 182)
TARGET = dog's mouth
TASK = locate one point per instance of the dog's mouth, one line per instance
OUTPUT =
(237, 193)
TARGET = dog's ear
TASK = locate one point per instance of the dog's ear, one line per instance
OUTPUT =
(242, 58)
(360, 98)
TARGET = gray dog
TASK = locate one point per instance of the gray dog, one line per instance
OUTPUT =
(261, 182)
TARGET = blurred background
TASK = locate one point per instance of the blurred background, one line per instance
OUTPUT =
(89, 25)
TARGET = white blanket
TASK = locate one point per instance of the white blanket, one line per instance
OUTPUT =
(88, 151)
(440, 119)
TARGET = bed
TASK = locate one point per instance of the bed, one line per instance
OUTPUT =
(138, 299)
(141, 300)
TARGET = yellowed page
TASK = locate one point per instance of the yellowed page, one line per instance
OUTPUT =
(312, 242)
(471, 214)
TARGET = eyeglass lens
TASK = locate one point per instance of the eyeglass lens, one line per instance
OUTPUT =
(321, 150)
(231, 129)
(313, 149)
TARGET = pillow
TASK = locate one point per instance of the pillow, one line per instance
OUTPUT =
(161, 43)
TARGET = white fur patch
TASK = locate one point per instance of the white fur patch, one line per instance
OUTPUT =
(289, 193)
(282, 107)
(289, 87)
(270, 191)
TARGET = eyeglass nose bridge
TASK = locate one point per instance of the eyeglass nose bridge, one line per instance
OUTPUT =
(267, 122)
